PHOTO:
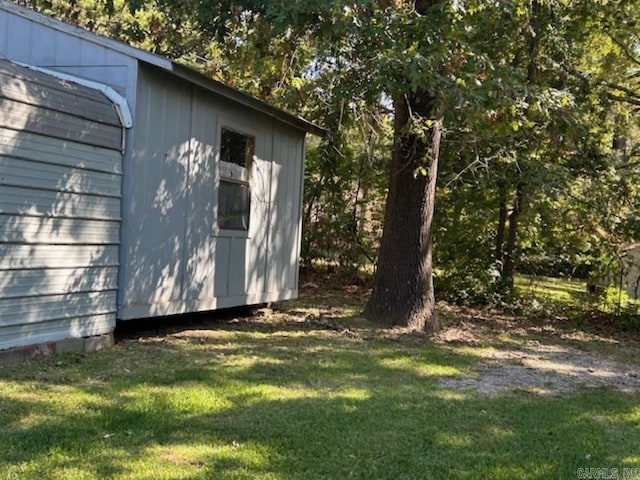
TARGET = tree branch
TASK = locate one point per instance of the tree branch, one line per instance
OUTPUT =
(626, 90)
(629, 100)
(624, 49)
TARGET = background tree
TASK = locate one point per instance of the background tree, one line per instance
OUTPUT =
(519, 103)
(536, 151)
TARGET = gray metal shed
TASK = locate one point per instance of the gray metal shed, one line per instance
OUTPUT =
(60, 170)
(211, 178)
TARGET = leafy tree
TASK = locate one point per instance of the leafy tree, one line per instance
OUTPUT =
(536, 151)
(344, 189)
(515, 101)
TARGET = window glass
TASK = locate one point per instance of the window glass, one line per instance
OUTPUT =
(236, 148)
(234, 195)
(233, 206)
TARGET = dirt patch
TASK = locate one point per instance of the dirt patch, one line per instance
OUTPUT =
(511, 353)
(540, 359)
(544, 370)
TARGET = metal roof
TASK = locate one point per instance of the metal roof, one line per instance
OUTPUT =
(171, 66)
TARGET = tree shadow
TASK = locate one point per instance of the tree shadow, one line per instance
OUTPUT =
(296, 403)
(60, 166)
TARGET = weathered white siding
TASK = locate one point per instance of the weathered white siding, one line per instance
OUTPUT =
(60, 175)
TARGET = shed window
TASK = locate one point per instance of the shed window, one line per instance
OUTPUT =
(234, 195)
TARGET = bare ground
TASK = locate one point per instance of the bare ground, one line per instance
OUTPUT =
(539, 357)
(544, 356)
(513, 354)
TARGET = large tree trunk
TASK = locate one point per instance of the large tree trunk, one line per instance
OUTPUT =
(403, 288)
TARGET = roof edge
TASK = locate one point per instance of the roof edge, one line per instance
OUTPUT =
(197, 78)
(182, 71)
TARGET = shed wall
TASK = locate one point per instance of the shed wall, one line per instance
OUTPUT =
(59, 209)
(174, 258)
(44, 42)
(631, 272)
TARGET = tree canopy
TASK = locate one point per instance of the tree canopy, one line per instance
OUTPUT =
(511, 125)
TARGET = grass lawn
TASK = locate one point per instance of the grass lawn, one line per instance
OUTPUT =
(558, 290)
(307, 392)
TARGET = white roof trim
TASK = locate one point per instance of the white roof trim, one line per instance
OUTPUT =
(120, 103)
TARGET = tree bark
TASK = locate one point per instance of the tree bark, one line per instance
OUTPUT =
(509, 255)
(502, 225)
(403, 287)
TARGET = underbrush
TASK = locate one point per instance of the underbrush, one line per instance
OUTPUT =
(563, 300)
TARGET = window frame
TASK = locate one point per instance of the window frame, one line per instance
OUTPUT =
(231, 167)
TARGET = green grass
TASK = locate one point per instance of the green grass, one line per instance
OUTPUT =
(561, 291)
(280, 399)
(569, 298)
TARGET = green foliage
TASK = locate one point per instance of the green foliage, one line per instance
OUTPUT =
(535, 96)
(626, 310)
(547, 297)
(543, 128)
(551, 297)
(345, 180)
(464, 232)
(471, 282)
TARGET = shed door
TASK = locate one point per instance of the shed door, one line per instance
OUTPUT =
(60, 182)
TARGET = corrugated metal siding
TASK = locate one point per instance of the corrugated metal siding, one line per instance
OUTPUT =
(23, 334)
(26, 201)
(70, 98)
(33, 102)
(59, 209)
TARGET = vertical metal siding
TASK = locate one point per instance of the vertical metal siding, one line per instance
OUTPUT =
(156, 207)
(170, 248)
(257, 246)
(201, 204)
(173, 257)
(59, 211)
(284, 237)
(33, 42)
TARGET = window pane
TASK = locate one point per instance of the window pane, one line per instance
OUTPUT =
(233, 206)
(234, 197)
(236, 148)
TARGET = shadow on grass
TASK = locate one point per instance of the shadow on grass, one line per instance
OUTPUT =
(293, 401)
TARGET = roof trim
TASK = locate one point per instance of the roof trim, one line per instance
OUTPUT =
(166, 64)
(118, 101)
(197, 78)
